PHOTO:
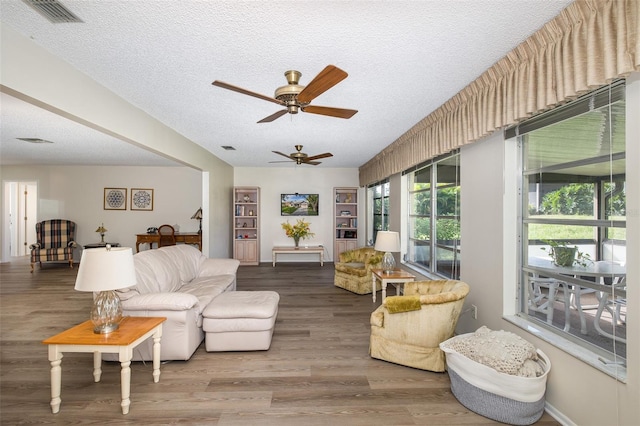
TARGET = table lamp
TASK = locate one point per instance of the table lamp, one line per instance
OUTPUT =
(388, 241)
(101, 229)
(103, 270)
(198, 215)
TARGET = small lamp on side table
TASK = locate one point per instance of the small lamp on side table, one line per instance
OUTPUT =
(388, 241)
(103, 270)
(198, 215)
(101, 229)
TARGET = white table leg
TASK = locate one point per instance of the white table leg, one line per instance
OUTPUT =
(384, 289)
(125, 385)
(156, 354)
(97, 366)
(55, 357)
(373, 288)
(273, 258)
(322, 259)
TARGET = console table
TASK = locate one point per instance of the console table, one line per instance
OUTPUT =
(319, 250)
(181, 237)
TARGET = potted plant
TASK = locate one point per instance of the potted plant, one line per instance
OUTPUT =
(300, 230)
(565, 255)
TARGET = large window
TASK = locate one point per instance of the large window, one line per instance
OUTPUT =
(573, 226)
(378, 196)
(434, 217)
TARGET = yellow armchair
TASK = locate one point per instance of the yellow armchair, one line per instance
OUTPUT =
(425, 316)
(353, 271)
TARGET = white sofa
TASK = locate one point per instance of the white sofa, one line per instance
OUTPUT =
(176, 282)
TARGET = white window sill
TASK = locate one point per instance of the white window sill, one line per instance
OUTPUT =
(616, 370)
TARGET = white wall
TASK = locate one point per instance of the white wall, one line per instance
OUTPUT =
(66, 91)
(303, 179)
(76, 193)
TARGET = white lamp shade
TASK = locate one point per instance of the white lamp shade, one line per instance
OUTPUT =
(104, 269)
(388, 241)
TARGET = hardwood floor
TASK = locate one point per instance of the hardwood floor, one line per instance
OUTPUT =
(317, 371)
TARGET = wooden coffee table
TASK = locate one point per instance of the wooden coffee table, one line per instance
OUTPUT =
(81, 338)
(398, 276)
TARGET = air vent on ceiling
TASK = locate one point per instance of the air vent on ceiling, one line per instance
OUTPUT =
(228, 148)
(34, 140)
(53, 10)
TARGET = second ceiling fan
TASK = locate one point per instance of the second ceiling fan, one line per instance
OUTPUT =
(302, 158)
(295, 97)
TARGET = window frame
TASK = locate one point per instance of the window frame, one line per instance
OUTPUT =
(601, 224)
(433, 265)
(383, 188)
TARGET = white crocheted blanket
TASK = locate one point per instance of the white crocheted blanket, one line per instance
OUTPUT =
(503, 351)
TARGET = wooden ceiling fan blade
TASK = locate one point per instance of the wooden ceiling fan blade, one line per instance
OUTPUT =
(246, 92)
(333, 112)
(328, 77)
(273, 116)
(313, 163)
(284, 155)
(319, 156)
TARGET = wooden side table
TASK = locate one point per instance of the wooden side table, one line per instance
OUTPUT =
(81, 338)
(398, 276)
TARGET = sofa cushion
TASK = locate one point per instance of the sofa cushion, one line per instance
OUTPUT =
(161, 301)
(156, 273)
(208, 288)
(186, 258)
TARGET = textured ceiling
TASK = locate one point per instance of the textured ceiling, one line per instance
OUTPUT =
(404, 59)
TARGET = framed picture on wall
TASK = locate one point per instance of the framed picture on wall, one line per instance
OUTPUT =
(115, 198)
(141, 199)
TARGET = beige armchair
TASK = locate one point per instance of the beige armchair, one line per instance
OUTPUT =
(408, 329)
(353, 271)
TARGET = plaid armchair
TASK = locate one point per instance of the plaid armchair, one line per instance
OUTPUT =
(55, 242)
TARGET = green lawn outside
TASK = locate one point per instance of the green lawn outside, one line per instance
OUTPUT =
(570, 232)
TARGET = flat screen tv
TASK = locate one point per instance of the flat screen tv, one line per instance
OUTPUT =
(299, 204)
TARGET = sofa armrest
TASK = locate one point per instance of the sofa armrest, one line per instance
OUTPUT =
(35, 246)
(213, 267)
(161, 302)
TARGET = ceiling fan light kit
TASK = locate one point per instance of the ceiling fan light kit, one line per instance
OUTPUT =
(297, 98)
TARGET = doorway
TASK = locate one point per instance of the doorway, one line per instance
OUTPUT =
(20, 217)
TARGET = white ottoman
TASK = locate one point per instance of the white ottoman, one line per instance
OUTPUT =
(240, 321)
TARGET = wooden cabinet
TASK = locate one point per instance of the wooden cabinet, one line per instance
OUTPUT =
(246, 224)
(345, 220)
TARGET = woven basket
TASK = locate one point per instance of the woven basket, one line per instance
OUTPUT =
(498, 396)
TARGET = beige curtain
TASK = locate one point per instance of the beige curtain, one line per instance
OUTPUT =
(587, 45)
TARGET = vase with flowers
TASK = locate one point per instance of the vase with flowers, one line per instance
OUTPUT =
(300, 230)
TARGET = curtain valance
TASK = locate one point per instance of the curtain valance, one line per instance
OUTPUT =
(589, 44)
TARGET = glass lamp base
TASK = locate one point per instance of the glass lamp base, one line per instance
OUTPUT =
(388, 263)
(106, 313)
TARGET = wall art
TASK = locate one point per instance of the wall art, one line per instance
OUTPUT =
(115, 198)
(141, 199)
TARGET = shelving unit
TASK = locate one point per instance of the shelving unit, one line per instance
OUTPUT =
(246, 224)
(345, 220)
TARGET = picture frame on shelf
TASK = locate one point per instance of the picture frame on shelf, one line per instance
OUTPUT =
(115, 199)
(350, 234)
(142, 199)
